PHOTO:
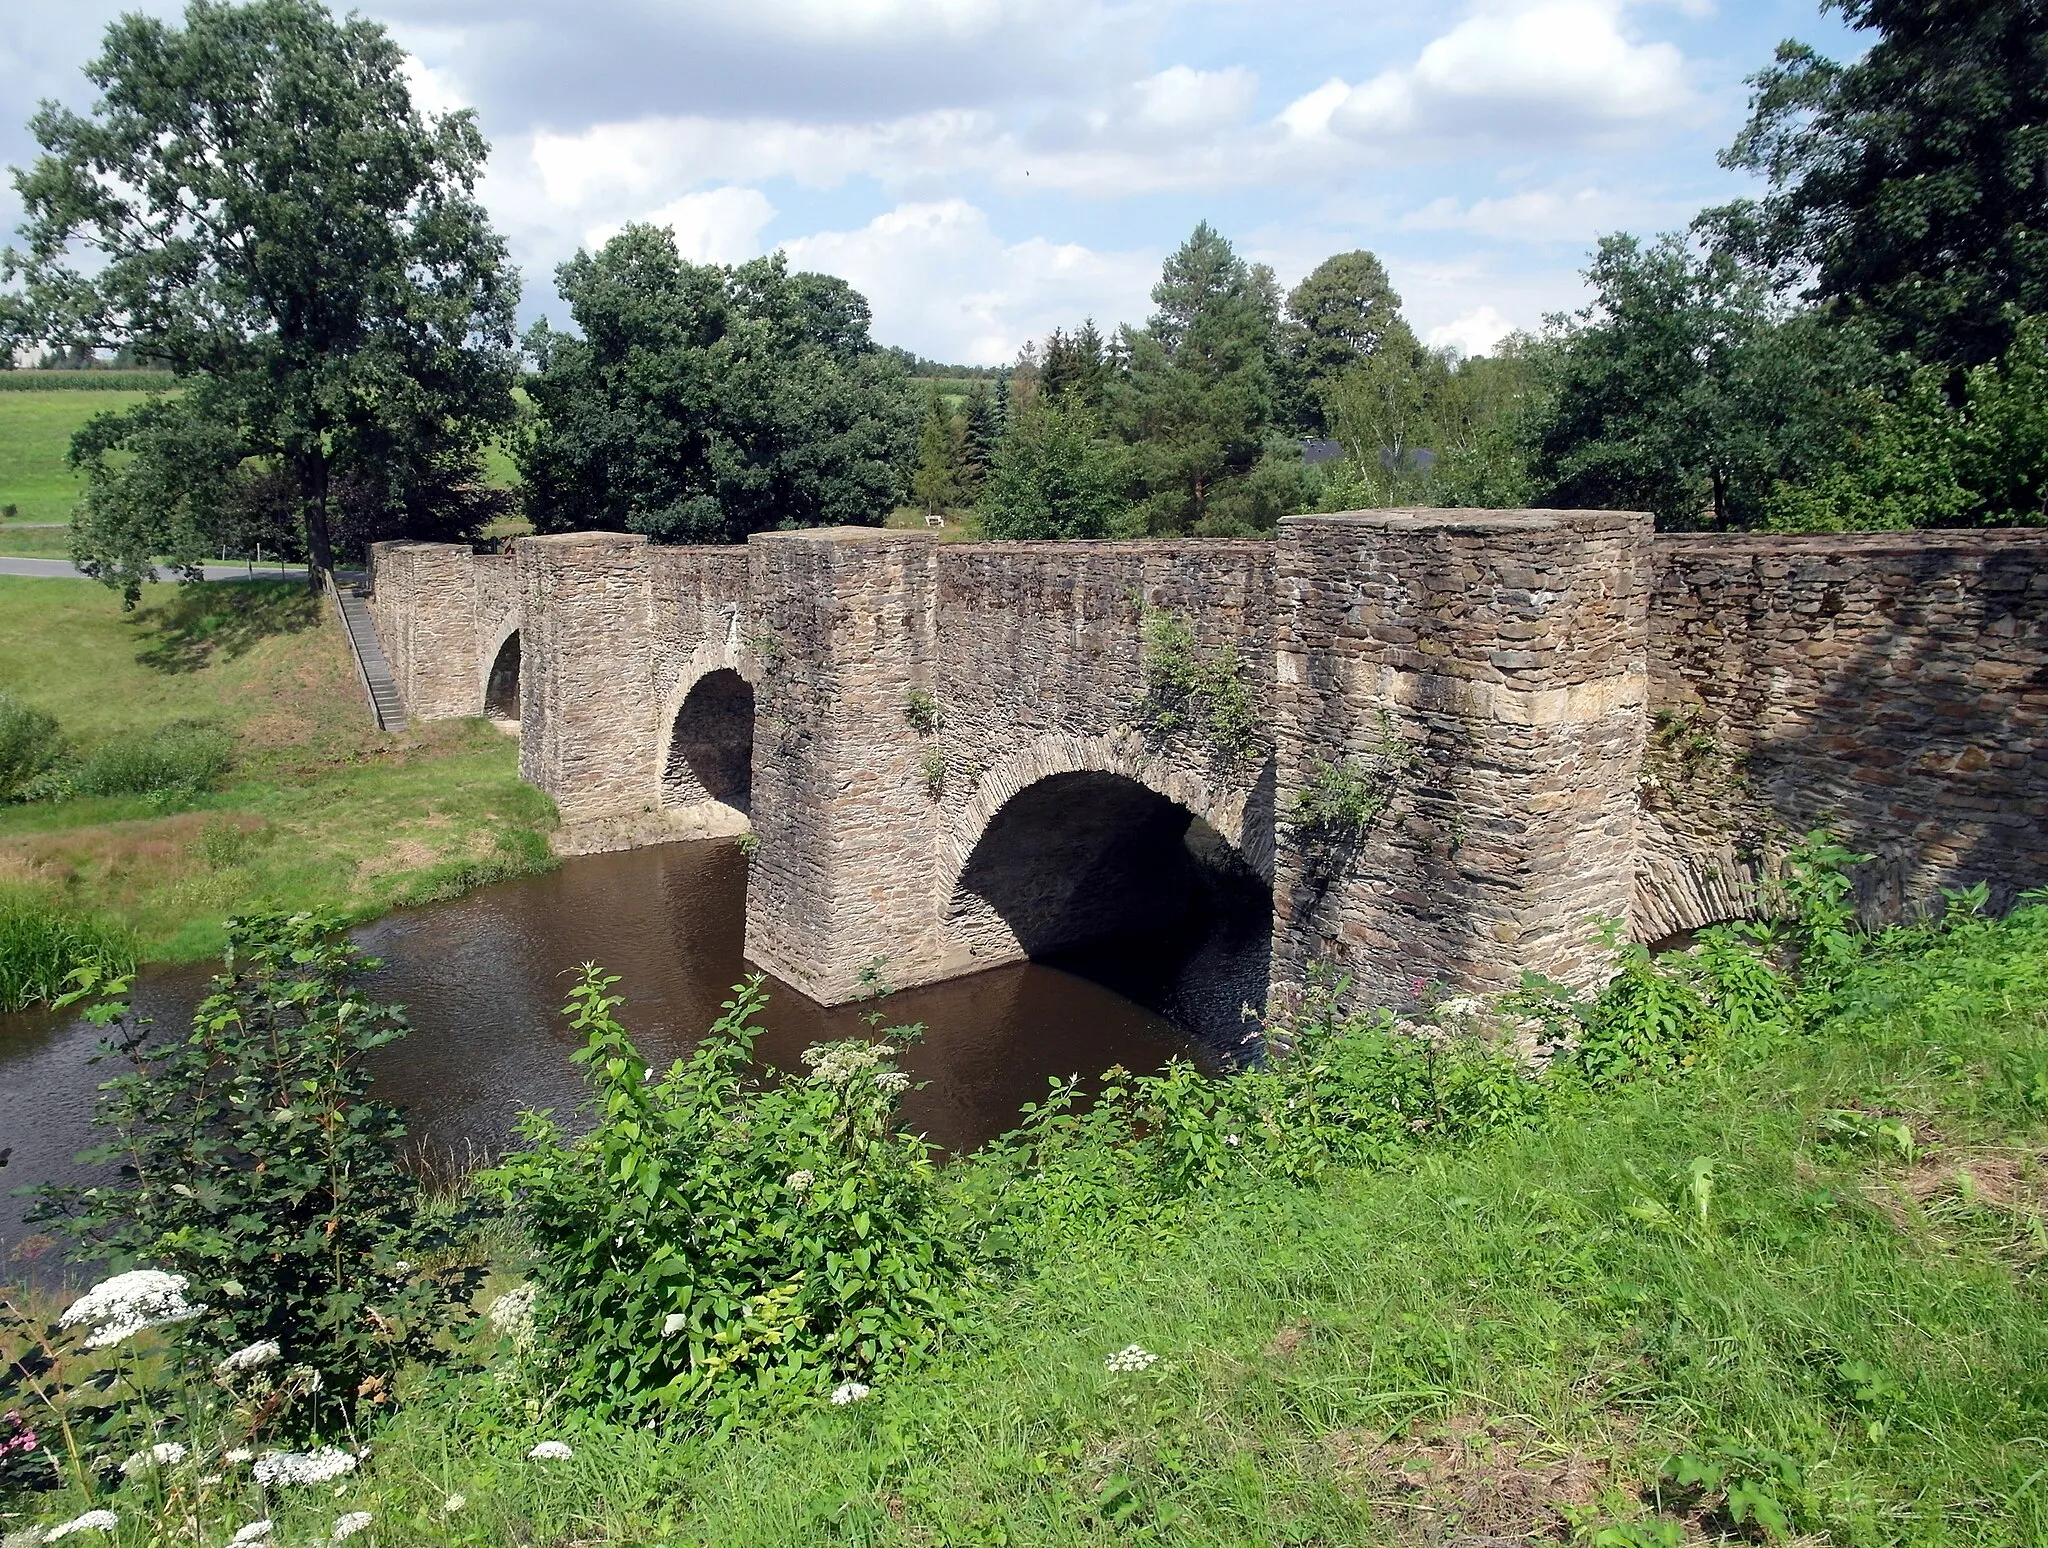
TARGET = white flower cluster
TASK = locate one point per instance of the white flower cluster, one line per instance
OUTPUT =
(128, 1304)
(162, 1454)
(892, 1082)
(347, 1526)
(835, 1064)
(850, 1392)
(1131, 1357)
(674, 1323)
(254, 1532)
(91, 1521)
(244, 1361)
(799, 1182)
(455, 1502)
(511, 1314)
(1468, 1017)
(303, 1467)
(551, 1451)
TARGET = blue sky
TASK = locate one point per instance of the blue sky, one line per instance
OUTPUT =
(986, 169)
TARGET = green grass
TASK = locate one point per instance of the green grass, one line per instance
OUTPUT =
(39, 946)
(87, 381)
(35, 438)
(329, 811)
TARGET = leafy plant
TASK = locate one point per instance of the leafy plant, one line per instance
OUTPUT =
(716, 1248)
(1817, 907)
(1749, 1485)
(922, 711)
(254, 1161)
(934, 769)
(184, 758)
(30, 744)
(1340, 802)
(1187, 688)
(43, 944)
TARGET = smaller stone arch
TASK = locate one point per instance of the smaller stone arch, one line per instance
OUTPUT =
(502, 680)
(1242, 817)
(709, 753)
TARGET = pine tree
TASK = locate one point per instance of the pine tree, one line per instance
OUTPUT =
(938, 482)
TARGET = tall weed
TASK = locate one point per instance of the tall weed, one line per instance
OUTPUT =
(43, 944)
(184, 758)
(30, 745)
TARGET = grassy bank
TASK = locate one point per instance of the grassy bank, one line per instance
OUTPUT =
(318, 809)
(35, 439)
(1790, 1294)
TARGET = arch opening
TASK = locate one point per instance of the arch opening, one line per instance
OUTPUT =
(1095, 873)
(501, 687)
(711, 745)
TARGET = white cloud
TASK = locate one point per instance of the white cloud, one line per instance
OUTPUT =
(719, 225)
(1541, 215)
(1472, 334)
(434, 90)
(1551, 68)
(1181, 100)
(943, 283)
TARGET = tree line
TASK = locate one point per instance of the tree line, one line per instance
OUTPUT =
(256, 202)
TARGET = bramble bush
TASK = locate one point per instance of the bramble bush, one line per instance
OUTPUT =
(722, 1248)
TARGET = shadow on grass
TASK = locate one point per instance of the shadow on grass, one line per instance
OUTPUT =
(221, 619)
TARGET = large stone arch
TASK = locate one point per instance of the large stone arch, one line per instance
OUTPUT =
(1241, 815)
(687, 790)
(492, 662)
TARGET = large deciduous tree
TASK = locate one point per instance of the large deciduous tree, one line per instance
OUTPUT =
(261, 206)
(1341, 316)
(703, 403)
(1912, 185)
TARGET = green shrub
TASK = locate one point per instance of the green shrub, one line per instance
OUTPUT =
(41, 945)
(719, 1249)
(255, 1162)
(30, 744)
(184, 758)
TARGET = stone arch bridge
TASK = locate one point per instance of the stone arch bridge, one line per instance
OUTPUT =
(954, 755)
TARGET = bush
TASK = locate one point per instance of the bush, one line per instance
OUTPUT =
(719, 1249)
(30, 745)
(184, 758)
(41, 945)
(255, 1163)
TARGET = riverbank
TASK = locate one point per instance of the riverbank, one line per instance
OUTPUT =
(319, 809)
(1790, 1293)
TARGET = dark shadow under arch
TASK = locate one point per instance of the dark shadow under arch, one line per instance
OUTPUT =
(501, 688)
(1096, 873)
(711, 745)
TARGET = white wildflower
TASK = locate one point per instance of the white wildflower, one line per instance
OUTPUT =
(162, 1454)
(91, 1521)
(128, 1304)
(402, 1267)
(849, 1392)
(511, 1314)
(22, 1537)
(674, 1323)
(347, 1526)
(1459, 1007)
(551, 1451)
(303, 1467)
(835, 1064)
(254, 1532)
(1233, 1139)
(890, 1082)
(455, 1502)
(799, 1182)
(254, 1358)
(212, 1480)
(239, 1455)
(1131, 1357)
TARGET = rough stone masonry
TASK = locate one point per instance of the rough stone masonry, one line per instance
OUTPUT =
(1450, 741)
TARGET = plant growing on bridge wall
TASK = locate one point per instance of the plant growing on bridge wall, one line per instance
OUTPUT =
(922, 711)
(1187, 688)
(1340, 802)
(935, 772)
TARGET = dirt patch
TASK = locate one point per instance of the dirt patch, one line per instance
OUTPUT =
(1471, 1481)
(1287, 1340)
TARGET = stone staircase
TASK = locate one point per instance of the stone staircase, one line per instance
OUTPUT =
(371, 666)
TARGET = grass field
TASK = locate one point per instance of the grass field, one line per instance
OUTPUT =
(321, 809)
(35, 437)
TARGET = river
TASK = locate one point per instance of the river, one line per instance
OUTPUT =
(483, 978)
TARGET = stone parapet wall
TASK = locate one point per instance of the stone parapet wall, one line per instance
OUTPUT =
(1483, 673)
(1894, 685)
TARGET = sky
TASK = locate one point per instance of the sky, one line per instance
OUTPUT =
(986, 170)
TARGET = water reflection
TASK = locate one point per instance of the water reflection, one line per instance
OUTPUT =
(483, 978)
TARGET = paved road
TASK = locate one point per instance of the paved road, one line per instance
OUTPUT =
(64, 569)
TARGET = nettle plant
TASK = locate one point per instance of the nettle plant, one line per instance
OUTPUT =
(255, 1166)
(721, 1248)
(1340, 802)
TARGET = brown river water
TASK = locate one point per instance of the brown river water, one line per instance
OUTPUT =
(483, 978)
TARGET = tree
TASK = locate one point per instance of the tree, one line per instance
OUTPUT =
(1343, 314)
(267, 212)
(1077, 367)
(1686, 391)
(1057, 474)
(941, 479)
(984, 427)
(1912, 185)
(1199, 399)
(703, 403)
